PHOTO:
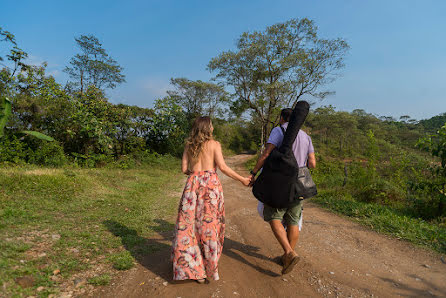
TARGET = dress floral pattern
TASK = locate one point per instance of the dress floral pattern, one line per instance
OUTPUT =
(199, 230)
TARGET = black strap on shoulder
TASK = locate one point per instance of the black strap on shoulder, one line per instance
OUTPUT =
(283, 129)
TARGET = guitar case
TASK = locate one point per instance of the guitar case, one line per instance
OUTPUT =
(276, 184)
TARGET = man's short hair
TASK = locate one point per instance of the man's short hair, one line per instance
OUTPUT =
(286, 114)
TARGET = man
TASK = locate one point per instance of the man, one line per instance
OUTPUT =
(304, 153)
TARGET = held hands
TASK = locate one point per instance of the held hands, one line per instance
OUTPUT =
(252, 179)
(246, 181)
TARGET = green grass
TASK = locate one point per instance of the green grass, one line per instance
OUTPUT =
(383, 219)
(100, 280)
(76, 219)
(386, 220)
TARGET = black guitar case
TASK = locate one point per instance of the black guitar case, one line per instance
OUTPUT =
(276, 184)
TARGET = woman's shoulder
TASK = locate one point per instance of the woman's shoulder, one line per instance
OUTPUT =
(213, 143)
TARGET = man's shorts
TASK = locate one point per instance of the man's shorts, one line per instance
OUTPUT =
(291, 214)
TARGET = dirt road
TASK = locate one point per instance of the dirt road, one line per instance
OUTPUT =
(340, 258)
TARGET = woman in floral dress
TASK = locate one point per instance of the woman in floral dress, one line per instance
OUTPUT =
(200, 226)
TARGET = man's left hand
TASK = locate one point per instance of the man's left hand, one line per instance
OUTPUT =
(253, 179)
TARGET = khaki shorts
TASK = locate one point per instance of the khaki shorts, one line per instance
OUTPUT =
(291, 214)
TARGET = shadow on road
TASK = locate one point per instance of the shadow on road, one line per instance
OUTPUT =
(154, 253)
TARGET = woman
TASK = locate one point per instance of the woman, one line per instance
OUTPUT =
(199, 231)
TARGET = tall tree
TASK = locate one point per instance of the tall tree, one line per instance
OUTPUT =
(11, 62)
(198, 97)
(275, 68)
(93, 66)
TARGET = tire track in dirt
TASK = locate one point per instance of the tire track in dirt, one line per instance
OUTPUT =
(340, 258)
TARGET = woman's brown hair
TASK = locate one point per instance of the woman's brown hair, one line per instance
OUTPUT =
(200, 133)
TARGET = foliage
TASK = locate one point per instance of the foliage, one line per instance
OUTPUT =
(93, 67)
(435, 182)
(237, 135)
(435, 123)
(273, 69)
(5, 113)
(5, 110)
(12, 150)
(198, 98)
(12, 63)
(169, 128)
(47, 154)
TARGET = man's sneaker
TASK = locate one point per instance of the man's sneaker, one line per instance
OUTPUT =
(290, 260)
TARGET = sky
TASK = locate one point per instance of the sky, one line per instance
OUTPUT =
(396, 65)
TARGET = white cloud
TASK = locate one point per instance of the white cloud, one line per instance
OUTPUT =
(155, 87)
(52, 69)
(55, 73)
(34, 60)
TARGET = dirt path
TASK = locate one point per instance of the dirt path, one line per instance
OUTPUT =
(339, 258)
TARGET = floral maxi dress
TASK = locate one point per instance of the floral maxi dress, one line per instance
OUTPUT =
(199, 230)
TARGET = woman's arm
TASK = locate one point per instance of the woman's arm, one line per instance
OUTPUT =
(185, 162)
(220, 162)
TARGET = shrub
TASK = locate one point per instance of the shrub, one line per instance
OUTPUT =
(48, 154)
(12, 150)
(91, 160)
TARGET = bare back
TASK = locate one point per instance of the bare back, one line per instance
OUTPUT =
(206, 158)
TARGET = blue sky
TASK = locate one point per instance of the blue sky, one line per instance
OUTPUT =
(396, 65)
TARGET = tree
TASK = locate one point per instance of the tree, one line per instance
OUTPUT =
(169, 127)
(198, 97)
(93, 66)
(11, 63)
(277, 67)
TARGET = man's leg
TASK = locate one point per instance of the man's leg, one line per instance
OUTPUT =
(281, 235)
(274, 216)
(292, 217)
(292, 235)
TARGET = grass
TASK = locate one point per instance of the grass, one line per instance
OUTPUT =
(383, 219)
(100, 280)
(76, 220)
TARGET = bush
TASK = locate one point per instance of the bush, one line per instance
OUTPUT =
(91, 160)
(12, 150)
(328, 174)
(48, 154)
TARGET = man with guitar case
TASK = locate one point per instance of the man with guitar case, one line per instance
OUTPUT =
(285, 179)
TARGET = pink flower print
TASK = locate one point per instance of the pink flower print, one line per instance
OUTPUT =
(190, 200)
(193, 256)
(178, 273)
(211, 250)
(208, 218)
(200, 205)
(204, 181)
(214, 197)
(185, 240)
(208, 233)
(220, 205)
(182, 227)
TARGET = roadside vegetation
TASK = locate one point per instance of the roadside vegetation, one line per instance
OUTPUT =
(386, 174)
(66, 229)
(85, 182)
